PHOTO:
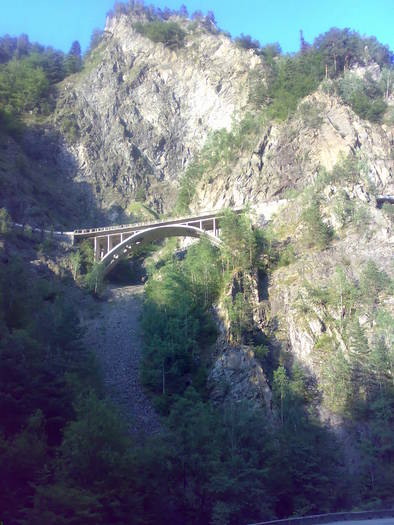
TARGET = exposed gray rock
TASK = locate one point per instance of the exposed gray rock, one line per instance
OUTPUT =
(237, 376)
(142, 112)
(290, 155)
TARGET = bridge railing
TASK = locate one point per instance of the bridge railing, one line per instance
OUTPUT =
(332, 517)
(153, 223)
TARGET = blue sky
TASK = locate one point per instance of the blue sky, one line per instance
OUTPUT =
(59, 22)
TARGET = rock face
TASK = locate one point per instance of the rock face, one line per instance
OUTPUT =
(141, 113)
(236, 376)
(290, 155)
(299, 331)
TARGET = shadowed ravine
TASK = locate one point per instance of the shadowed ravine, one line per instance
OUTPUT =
(114, 336)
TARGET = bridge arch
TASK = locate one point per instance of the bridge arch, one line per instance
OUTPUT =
(155, 233)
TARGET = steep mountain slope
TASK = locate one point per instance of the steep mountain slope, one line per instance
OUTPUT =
(289, 156)
(141, 111)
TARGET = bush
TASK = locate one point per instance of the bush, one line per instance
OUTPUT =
(23, 84)
(364, 107)
(221, 148)
(70, 129)
(292, 79)
(348, 169)
(344, 208)
(363, 95)
(5, 221)
(247, 42)
(287, 256)
(168, 33)
(94, 279)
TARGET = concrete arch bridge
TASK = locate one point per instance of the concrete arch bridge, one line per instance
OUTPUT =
(113, 243)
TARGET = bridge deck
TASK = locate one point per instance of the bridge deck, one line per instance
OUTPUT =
(123, 228)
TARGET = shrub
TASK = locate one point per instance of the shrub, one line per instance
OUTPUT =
(361, 217)
(287, 256)
(221, 148)
(94, 279)
(168, 33)
(5, 221)
(373, 281)
(348, 169)
(292, 79)
(271, 51)
(70, 129)
(363, 95)
(247, 42)
(344, 208)
(372, 110)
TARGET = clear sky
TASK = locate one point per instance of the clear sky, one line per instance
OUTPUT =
(59, 22)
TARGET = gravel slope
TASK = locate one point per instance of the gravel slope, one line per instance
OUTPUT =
(114, 336)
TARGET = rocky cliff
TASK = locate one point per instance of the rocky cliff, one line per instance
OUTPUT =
(140, 111)
(289, 156)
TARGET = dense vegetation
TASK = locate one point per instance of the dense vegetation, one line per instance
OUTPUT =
(178, 336)
(168, 33)
(27, 72)
(234, 460)
(65, 456)
(353, 354)
(329, 59)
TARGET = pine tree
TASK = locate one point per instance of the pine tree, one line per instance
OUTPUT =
(73, 61)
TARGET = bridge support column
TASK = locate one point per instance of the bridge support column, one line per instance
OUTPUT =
(214, 227)
(95, 250)
(108, 249)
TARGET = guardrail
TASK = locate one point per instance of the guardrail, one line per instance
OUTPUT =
(202, 216)
(332, 517)
(42, 230)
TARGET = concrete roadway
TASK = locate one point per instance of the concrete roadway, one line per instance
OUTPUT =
(380, 521)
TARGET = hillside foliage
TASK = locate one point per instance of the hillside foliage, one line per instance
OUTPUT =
(27, 73)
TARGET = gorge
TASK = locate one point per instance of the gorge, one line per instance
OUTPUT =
(242, 375)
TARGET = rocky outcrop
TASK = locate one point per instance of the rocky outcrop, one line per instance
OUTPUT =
(138, 115)
(289, 156)
(236, 376)
(298, 330)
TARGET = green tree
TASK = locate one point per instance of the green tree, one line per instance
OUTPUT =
(5, 221)
(317, 232)
(169, 33)
(280, 390)
(75, 260)
(73, 60)
(94, 279)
